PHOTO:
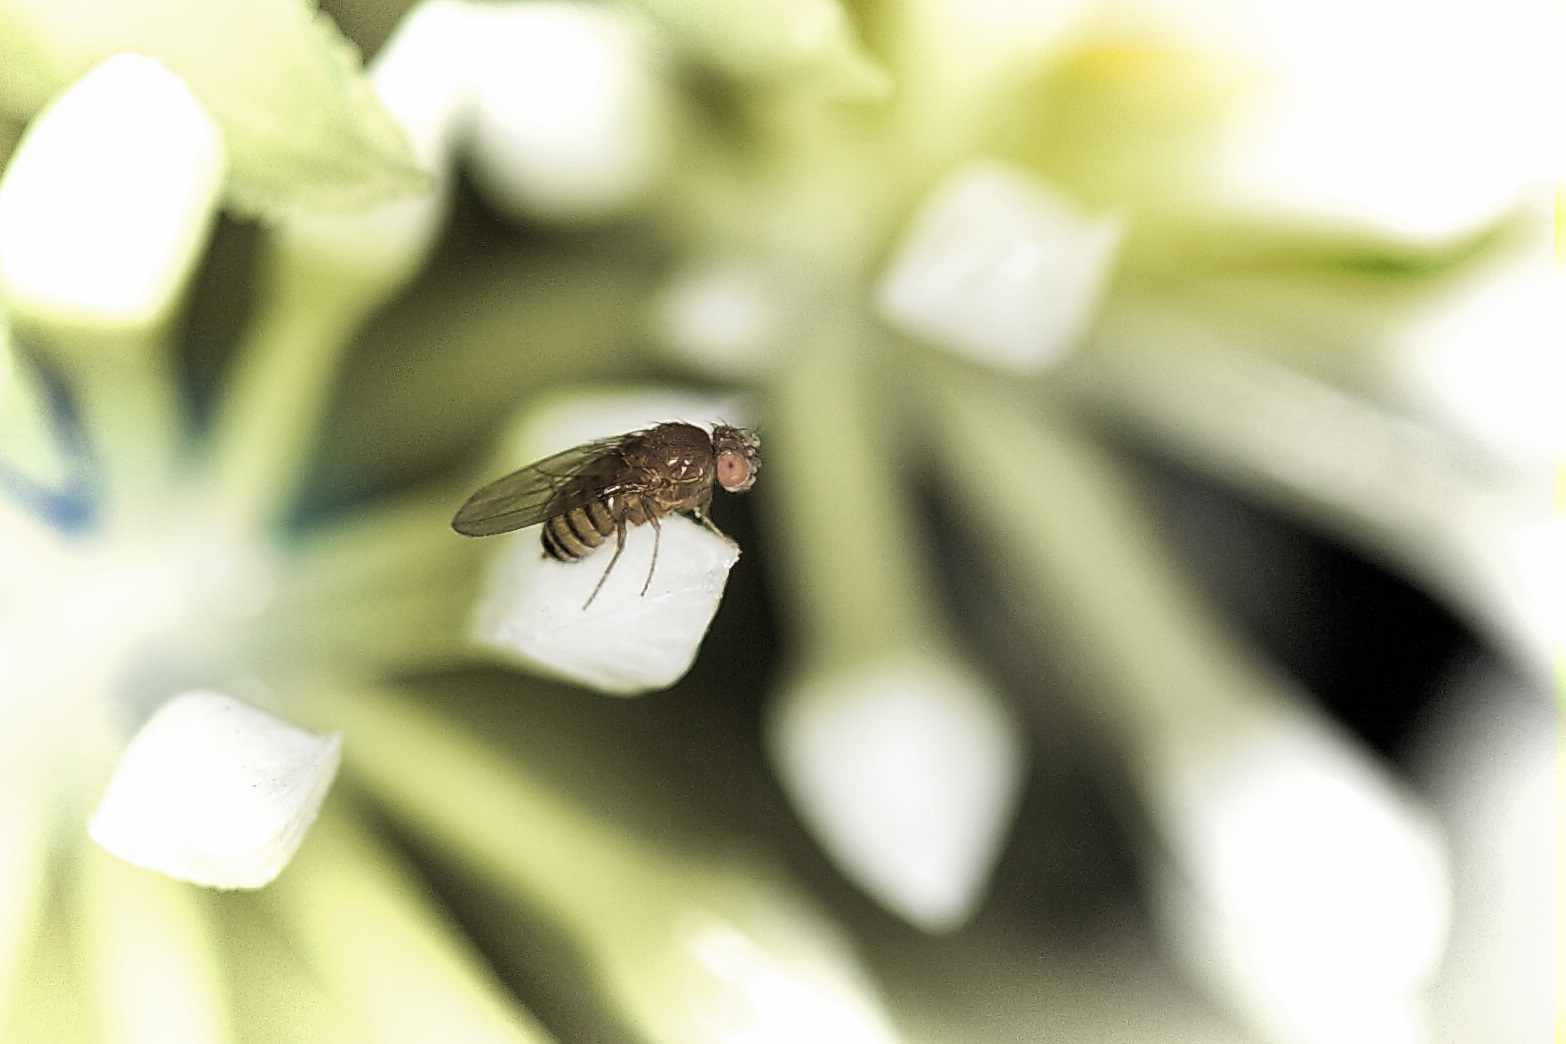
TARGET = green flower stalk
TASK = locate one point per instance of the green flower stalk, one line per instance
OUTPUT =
(691, 946)
(896, 753)
(151, 950)
(395, 963)
(1304, 881)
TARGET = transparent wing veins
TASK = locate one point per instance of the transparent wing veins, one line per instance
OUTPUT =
(543, 489)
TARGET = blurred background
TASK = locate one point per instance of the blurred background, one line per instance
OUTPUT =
(1231, 398)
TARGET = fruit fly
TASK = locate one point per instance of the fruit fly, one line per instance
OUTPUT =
(584, 494)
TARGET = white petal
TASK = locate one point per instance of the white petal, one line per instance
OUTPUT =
(625, 642)
(908, 773)
(572, 117)
(1309, 858)
(1488, 755)
(421, 76)
(1288, 1002)
(106, 204)
(1487, 360)
(214, 791)
(1000, 267)
(1359, 123)
(724, 316)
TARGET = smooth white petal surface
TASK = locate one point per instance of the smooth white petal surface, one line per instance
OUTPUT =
(1000, 267)
(421, 76)
(572, 118)
(908, 774)
(625, 642)
(1487, 360)
(1358, 122)
(1304, 859)
(1288, 1002)
(723, 315)
(215, 791)
(106, 204)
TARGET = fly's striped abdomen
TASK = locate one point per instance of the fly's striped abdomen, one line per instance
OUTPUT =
(574, 534)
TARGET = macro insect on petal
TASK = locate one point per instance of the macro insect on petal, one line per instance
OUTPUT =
(584, 494)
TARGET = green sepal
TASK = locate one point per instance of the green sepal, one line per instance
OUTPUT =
(304, 127)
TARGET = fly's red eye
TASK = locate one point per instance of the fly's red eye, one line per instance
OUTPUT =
(733, 470)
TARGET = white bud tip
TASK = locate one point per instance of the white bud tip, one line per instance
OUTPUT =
(1306, 857)
(908, 774)
(571, 117)
(1363, 126)
(216, 792)
(535, 610)
(420, 75)
(998, 266)
(1287, 1003)
(106, 204)
(725, 318)
(777, 976)
(1487, 360)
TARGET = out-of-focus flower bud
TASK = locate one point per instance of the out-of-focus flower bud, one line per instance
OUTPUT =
(1000, 267)
(214, 791)
(106, 205)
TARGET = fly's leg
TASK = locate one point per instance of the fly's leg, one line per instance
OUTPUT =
(657, 534)
(619, 545)
(701, 516)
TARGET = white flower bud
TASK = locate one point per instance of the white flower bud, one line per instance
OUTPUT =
(215, 791)
(1304, 882)
(1486, 360)
(999, 267)
(724, 316)
(572, 118)
(1356, 123)
(908, 774)
(106, 204)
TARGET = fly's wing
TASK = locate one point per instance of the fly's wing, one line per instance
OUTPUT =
(543, 489)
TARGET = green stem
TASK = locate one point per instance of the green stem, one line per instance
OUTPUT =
(391, 589)
(467, 798)
(310, 307)
(1085, 560)
(1383, 483)
(646, 916)
(856, 588)
(125, 393)
(152, 950)
(383, 947)
(24, 821)
(412, 631)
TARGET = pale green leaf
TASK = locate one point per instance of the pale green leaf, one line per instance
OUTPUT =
(774, 40)
(304, 127)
